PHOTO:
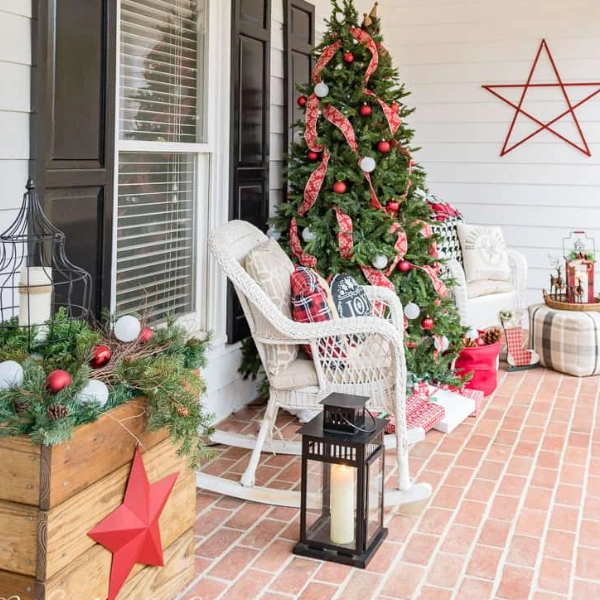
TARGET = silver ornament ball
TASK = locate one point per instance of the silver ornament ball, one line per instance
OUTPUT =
(367, 164)
(380, 262)
(412, 311)
(321, 90)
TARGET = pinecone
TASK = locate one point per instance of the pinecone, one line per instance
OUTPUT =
(469, 343)
(492, 335)
(183, 411)
(21, 407)
(57, 411)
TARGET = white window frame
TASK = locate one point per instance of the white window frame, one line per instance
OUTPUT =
(211, 161)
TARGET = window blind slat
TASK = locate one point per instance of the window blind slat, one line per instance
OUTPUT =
(155, 237)
(159, 52)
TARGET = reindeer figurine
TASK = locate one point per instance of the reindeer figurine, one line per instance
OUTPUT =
(557, 283)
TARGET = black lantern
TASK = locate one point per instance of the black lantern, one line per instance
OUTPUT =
(343, 461)
(37, 281)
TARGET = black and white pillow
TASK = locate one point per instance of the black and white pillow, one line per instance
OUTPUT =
(348, 296)
(449, 243)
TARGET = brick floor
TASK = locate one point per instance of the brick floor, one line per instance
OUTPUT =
(514, 514)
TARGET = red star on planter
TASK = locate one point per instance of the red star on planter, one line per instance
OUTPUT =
(131, 532)
(580, 143)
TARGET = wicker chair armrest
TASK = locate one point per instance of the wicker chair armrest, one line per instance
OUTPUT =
(376, 293)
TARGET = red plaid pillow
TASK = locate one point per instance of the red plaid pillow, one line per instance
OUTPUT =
(310, 298)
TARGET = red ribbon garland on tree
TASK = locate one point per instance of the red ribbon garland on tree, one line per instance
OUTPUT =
(325, 57)
(308, 260)
(375, 277)
(345, 240)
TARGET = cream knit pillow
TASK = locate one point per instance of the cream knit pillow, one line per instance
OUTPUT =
(484, 253)
(271, 268)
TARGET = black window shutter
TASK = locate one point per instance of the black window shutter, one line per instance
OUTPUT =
(72, 128)
(299, 39)
(250, 110)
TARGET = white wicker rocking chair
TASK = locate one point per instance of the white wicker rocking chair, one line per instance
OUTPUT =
(372, 364)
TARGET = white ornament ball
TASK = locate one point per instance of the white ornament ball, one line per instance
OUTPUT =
(127, 328)
(11, 374)
(299, 137)
(472, 333)
(94, 391)
(321, 90)
(367, 164)
(380, 262)
(273, 233)
(308, 235)
(412, 311)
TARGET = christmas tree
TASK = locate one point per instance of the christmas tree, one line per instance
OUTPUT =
(357, 199)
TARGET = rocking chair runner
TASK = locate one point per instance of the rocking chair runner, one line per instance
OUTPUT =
(359, 355)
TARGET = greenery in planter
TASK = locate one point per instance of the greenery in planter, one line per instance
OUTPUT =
(162, 366)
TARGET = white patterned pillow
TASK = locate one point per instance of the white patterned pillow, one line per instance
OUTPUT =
(484, 253)
(271, 268)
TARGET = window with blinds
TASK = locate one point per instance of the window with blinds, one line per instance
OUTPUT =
(161, 77)
(155, 234)
(160, 70)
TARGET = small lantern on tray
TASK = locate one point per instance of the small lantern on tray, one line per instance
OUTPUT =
(579, 253)
(37, 280)
(341, 512)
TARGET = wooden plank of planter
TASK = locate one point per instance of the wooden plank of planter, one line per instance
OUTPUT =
(95, 450)
(67, 525)
(19, 470)
(45, 476)
(18, 537)
(88, 576)
(13, 585)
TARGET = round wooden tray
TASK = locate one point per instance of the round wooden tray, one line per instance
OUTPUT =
(562, 305)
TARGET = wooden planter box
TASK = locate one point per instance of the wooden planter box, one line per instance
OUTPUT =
(51, 496)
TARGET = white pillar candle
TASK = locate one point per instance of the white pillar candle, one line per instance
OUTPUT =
(35, 295)
(342, 499)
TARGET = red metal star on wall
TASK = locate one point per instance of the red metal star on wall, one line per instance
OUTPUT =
(131, 532)
(581, 143)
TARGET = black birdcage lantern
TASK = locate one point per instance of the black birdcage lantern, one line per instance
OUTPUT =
(41, 291)
(343, 462)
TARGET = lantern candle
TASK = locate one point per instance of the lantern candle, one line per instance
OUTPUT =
(342, 504)
(35, 296)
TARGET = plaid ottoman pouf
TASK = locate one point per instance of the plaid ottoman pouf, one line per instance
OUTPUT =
(567, 341)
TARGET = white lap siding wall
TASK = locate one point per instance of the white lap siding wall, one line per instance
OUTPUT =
(446, 50)
(15, 74)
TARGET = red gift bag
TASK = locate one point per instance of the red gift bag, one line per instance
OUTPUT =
(483, 362)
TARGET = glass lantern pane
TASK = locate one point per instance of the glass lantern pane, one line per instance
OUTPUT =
(330, 515)
(316, 512)
(375, 473)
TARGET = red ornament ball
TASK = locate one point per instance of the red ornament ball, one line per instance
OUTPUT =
(392, 207)
(348, 57)
(395, 107)
(57, 380)
(339, 187)
(365, 110)
(100, 356)
(145, 334)
(427, 323)
(383, 146)
(314, 156)
(301, 101)
(404, 266)
(480, 341)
